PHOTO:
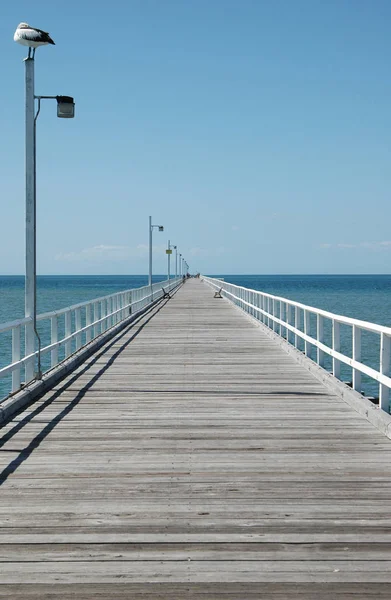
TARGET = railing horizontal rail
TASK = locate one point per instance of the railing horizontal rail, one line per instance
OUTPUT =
(12, 324)
(67, 330)
(296, 328)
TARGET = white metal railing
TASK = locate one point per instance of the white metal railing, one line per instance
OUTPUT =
(304, 325)
(67, 330)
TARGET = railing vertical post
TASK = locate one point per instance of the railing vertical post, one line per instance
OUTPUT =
(54, 340)
(274, 313)
(130, 302)
(68, 331)
(320, 338)
(384, 391)
(96, 317)
(307, 345)
(281, 327)
(110, 322)
(356, 346)
(16, 358)
(88, 322)
(102, 315)
(269, 311)
(289, 319)
(297, 323)
(116, 309)
(336, 347)
(108, 311)
(123, 305)
(78, 327)
(265, 308)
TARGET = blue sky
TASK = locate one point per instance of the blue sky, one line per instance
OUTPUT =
(257, 132)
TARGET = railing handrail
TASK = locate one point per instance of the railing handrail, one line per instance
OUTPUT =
(11, 324)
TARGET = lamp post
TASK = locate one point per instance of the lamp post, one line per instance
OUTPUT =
(151, 227)
(65, 109)
(170, 248)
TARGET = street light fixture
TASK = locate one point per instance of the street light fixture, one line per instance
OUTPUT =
(151, 227)
(65, 109)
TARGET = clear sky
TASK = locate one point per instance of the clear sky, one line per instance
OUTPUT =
(257, 132)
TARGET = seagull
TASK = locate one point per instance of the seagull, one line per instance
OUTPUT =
(31, 37)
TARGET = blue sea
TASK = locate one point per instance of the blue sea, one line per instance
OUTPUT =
(366, 297)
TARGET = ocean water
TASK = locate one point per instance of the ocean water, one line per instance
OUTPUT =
(366, 297)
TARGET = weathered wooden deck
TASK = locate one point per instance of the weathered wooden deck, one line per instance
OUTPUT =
(193, 458)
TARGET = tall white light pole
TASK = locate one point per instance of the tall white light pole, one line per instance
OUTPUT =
(30, 296)
(65, 109)
(176, 262)
(151, 227)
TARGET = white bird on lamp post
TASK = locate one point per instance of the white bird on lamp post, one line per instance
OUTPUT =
(31, 37)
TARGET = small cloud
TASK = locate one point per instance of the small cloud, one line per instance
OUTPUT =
(369, 245)
(100, 252)
(105, 252)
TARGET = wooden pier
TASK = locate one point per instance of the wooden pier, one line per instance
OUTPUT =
(192, 457)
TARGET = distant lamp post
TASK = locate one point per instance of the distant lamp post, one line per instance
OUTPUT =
(170, 248)
(176, 262)
(151, 228)
(65, 109)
